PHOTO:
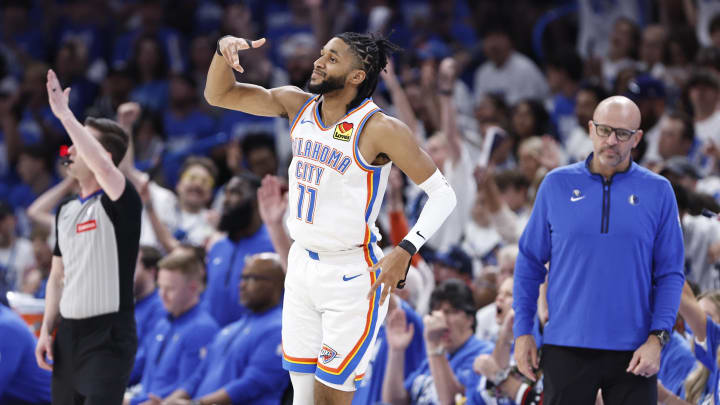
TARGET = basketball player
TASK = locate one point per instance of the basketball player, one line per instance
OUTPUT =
(343, 146)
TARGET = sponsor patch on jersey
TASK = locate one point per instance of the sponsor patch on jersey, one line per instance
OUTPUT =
(343, 131)
(86, 226)
(327, 354)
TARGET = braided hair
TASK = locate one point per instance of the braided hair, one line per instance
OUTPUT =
(372, 51)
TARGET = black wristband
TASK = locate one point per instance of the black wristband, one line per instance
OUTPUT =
(408, 246)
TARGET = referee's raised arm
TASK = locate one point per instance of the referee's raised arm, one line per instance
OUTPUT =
(97, 159)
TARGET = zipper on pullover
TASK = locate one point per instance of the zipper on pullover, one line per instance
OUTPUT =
(605, 219)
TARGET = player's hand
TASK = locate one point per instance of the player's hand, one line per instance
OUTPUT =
(398, 331)
(230, 46)
(393, 267)
(526, 356)
(57, 97)
(272, 204)
(435, 329)
(646, 359)
(43, 348)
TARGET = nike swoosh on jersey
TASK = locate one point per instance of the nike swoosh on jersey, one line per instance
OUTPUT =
(305, 122)
(573, 199)
(346, 278)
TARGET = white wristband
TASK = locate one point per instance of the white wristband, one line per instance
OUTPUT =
(440, 203)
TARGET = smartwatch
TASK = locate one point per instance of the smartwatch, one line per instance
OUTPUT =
(662, 335)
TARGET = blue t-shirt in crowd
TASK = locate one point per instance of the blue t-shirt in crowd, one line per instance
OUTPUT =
(708, 358)
(148, 312)
(225, 263)
(480, 394)
(676, 362)
(369, 389)
(616, 258)
(151, 95)
(420, 385)
(175, 348)
(237, 124)
(563, 116)
(21, 380)
(244, 359)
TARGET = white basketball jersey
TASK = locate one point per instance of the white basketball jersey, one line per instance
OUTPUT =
(334, 195)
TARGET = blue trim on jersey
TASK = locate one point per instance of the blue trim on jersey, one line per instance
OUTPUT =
(298, 368)
(356, 142)
(313, 255)
(297, 116)
(322, 124)
(352, 365)
(82, 200)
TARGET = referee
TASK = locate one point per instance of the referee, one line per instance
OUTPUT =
(89, 295)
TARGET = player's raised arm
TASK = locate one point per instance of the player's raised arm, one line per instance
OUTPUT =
(388, 136)
(222, 90)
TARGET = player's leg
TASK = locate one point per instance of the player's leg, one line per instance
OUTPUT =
(325, 394)
(350, 323)
(301, 326)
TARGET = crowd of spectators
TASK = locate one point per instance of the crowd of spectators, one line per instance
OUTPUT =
(497, 93)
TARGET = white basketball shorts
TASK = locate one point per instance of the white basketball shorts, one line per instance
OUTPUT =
(328, 324)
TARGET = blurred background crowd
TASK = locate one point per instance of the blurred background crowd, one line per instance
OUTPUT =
(498, 93)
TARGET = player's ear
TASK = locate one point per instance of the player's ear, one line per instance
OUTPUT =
(357, 76)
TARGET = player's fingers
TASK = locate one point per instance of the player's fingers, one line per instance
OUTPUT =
(67, 92)
(375, 285)
(257, 43)
(385, 292)
(633, 362)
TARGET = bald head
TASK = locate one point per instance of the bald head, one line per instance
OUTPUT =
(619, 112)
(268, 264)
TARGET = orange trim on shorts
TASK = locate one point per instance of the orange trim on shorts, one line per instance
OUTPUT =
(366, 334)
(298, 360)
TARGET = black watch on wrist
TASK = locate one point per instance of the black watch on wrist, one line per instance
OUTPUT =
(662, 335)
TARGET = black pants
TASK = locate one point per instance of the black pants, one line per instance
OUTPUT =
(93, 359)
(574, 375)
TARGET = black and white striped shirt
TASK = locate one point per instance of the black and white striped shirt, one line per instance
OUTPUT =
(98, 240)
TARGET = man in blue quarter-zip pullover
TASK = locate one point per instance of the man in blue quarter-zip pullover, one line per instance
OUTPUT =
(246, 235)
(21, 380)
(178, 343)
(244, 361)
(611, 233)
(148, 305)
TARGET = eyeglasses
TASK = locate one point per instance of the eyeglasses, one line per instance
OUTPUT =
(621, 134)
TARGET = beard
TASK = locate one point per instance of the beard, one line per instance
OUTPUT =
(327, 85)
(237, 218)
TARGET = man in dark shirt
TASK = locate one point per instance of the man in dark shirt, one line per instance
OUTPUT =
(89, 294)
